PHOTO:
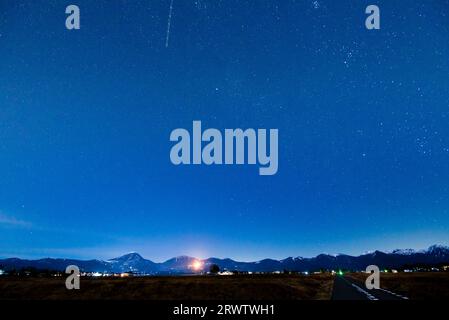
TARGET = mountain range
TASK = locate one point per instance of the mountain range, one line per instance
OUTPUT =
(133, 262)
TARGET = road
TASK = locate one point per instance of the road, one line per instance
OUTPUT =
(349, 289)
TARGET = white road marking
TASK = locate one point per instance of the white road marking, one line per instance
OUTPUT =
(395, 294)
(368, 295)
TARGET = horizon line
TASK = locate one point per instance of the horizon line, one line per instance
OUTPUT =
(224, 258)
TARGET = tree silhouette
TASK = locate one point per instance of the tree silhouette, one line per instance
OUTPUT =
(214, 269)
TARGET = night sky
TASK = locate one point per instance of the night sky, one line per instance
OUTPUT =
(86, 116)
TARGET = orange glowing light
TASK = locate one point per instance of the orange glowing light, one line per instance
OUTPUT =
(197, 265)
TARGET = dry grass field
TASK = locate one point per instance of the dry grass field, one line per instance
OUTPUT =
(254, 287)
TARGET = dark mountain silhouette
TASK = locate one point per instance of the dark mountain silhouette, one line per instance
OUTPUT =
(183, 264)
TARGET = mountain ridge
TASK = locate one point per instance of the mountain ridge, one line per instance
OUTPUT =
(134, 262)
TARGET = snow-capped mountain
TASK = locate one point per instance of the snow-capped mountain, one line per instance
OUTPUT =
(131, 262)
(404, 251)
(438, 250)
(183, 264)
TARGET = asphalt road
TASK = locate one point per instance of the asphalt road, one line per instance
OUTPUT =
(348, 289)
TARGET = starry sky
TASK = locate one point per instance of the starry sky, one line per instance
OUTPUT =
(86, 115)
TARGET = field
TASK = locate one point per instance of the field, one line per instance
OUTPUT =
(254, 287)
(416, 286)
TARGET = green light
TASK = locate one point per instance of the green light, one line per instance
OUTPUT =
(340, 273)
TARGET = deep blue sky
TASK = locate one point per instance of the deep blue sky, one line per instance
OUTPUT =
(85, 119)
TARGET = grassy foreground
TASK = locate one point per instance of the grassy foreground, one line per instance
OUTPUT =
(254, 287)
